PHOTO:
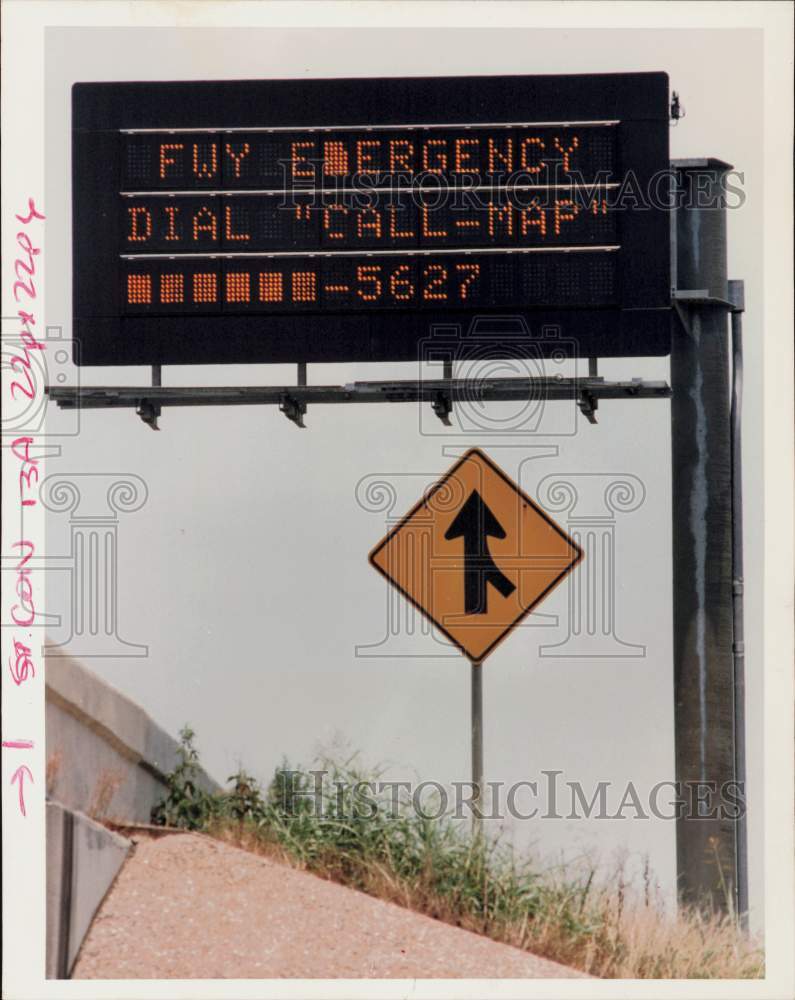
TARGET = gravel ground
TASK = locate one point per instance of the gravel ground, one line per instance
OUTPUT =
(185, 906)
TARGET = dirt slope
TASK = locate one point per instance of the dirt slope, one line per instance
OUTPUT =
(186, 906)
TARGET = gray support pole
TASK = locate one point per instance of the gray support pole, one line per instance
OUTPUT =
(701, 451)
(477, 746)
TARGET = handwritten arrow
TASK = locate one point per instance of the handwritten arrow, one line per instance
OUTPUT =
(475, 523)
(19, 774)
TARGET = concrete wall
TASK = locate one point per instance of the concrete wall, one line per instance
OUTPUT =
(105, 755)
(106, 760)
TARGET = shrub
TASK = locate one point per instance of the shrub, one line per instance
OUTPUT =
(186, 804)
(244, 803)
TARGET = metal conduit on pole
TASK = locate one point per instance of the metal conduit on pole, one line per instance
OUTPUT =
(737, 297)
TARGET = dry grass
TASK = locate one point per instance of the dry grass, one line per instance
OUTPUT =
(53, 769)
(435, 867)
(107, 784)
(595, 929)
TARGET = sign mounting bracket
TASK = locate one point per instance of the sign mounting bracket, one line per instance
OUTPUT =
(148, 401)
(442, 404)
(295, 409)
(147, 411)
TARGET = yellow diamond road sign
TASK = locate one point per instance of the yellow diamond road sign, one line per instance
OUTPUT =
(476, 555)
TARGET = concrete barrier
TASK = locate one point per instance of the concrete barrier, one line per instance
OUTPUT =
(105, 755)
(83, 859)
(106, 760)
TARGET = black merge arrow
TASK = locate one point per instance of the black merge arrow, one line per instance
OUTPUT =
(475, 523)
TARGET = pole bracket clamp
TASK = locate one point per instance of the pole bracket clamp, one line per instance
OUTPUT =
(149, 412)
(443, 406)
(588, 404)
(294, 409)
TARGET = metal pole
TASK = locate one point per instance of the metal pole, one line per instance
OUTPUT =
(702, 538)
(737, 297)
(477, 747)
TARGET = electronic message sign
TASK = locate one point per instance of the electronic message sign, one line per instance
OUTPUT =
(339, 220)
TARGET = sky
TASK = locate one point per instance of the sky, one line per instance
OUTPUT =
(244, 571)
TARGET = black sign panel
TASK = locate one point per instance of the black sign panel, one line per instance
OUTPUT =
(340, 220)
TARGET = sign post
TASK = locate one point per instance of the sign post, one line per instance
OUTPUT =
(477, 745)
(475, 555)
